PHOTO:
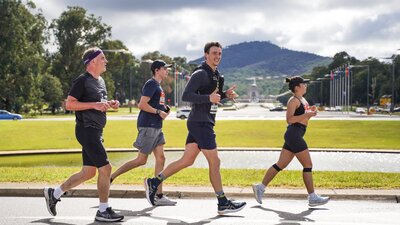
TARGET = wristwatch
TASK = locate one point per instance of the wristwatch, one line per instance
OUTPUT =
(158, 112)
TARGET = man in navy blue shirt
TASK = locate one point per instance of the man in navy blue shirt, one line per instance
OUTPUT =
(153, 111)
(204, 90)
(88, 98)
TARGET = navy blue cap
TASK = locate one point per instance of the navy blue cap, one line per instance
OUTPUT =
(157, 64)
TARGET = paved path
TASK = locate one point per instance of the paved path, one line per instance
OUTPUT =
(77, 211)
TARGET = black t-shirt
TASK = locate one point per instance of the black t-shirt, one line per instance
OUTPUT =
(153, 90)
(86, 88)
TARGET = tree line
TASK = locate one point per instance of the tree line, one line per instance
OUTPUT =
(32, 78)
(380, 79)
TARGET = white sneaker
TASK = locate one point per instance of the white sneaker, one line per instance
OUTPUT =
(258, 192)
(163, 201)
(317, 200)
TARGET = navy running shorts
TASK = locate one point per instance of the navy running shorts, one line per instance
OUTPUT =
(201, 133)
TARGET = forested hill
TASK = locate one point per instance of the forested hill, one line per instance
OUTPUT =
(266, 59)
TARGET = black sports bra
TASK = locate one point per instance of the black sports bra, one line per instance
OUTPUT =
(301, 110)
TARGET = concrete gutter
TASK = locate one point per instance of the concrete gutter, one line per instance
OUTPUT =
(137, 191)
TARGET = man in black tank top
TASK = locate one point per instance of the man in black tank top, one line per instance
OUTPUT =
(297, 115)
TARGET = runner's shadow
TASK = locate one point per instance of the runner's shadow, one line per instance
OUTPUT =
(287, 217)
(128, 214)
(201, 222)
(50, 222)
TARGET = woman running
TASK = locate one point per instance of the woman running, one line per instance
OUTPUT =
(297, 115)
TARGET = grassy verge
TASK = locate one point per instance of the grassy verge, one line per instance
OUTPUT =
(20, 135)
(230, 177)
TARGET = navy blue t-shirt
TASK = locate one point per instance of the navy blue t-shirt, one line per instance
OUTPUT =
(86, 88)
(153, 90)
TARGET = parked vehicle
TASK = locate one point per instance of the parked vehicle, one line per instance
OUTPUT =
(183, 113)
(6, 115)
(360, 110)
(396, 109)
(276, 109)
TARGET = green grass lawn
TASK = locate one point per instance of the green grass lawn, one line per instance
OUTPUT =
(199, 177)
(21, 135)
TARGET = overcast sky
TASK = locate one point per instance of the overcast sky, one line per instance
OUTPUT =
(362, 28)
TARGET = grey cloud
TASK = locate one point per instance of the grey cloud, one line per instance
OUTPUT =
(380, 28)
(355, 4)
(167, 5)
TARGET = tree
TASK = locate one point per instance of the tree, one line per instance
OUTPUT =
(120, 68)
(74, 32)
(21, 58)
(52, 91)
(341, 59)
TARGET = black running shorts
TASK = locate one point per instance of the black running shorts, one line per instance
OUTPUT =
(201, 133)
(93, 151)
(294, 140)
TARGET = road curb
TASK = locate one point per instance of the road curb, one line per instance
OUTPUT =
(184, 192)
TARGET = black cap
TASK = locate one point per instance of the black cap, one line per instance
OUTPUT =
(296, 80)
(157, 64)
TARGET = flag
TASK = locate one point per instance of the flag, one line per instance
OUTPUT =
(347, 71)
(331, 74)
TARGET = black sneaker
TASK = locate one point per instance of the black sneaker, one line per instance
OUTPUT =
(108, 216)
(51, 201)
(151, 190)
(230, 207)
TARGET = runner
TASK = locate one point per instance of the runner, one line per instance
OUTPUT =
(204, 90)
(88, 98)
(149, 124)
(297, 115)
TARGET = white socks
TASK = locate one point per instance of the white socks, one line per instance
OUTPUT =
(103, 206)
(58, 192)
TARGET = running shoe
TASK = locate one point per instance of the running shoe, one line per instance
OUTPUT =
(151, 190)
(318, 200)
(108, 216)
(51, 201)
(230, 207)
(258, 192)
(163, 201)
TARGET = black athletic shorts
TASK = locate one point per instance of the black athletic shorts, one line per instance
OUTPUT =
(93, 151)
(294, 140)
(201, 133)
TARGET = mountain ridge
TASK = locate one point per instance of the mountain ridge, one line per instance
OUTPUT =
(268, 58)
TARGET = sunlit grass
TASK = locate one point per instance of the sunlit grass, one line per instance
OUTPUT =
(199, 177)
(20, 135)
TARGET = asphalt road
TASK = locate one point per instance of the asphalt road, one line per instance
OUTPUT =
(32, 210)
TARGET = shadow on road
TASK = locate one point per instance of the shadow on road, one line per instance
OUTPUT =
(50, 222)
(287, 218)
(170, 221)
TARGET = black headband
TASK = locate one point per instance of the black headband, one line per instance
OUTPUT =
(92, 56)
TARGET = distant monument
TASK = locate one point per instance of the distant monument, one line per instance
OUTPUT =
(253, 92)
